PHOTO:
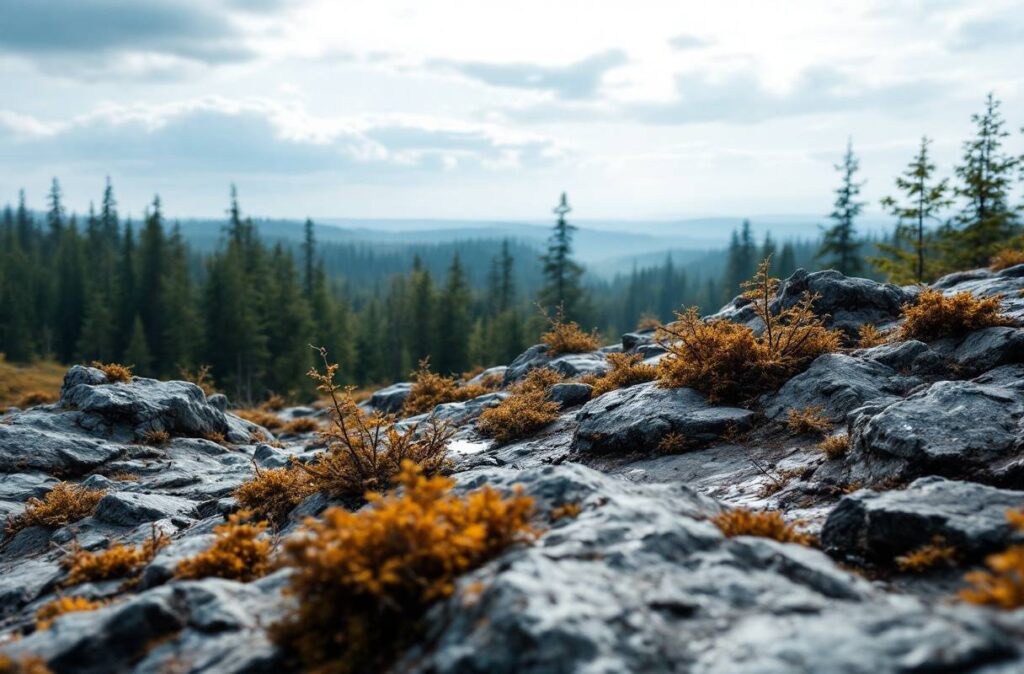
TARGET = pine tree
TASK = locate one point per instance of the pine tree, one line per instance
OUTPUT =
(127, 292)
(421, 303)
(453, 322)
(308, 259)
(182, 332)
(839, 244)
(904, 259)
(137, 353)
(54, 214)
(787, 260)
(290, 333)
(151, 288)
(562, 275)
(69, 307)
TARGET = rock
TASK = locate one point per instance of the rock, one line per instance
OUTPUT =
(220, 401)
(23, 581)
(985, 349)
(130, 509)
(534, 357)
(838, 383)
(878, 526)
(389, 400)
(462, 413)
(568, 394)
(23, 486)
(496, 373)
(161, 569)
(54, 443)
(911, 357)
(580, 364)
(639, 417)
(632, 340)
(1007, 283)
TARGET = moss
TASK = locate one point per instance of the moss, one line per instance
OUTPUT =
(65, 503)
(61, 606)
(239, 552)
(766, 524)
(936, 315)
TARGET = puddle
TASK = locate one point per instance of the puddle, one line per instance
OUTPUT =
(467, 446)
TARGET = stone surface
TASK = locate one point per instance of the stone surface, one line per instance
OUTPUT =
(569, 394)
(130, 509)
(390, 399)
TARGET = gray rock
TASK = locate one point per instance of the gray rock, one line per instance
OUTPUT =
(54, 443)
(131, 508)
(637, 418)
(492, 373)
(910, 356)
(632, 340)
(580, 364)
(568, 394)
(1007, 283)
(461, 413)
(389, 400)
(24, 580)
(985, 349)
(534, 357)
(877, 526)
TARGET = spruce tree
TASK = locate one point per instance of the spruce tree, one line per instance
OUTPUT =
(453, 322)
(840, 247)
(562, 288)
(137, 353)
(308, 259)
(151, 287)
(69, 305)
(787, 260)
(421, 306)
(127, 292)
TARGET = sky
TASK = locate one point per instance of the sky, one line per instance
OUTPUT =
(486, 110)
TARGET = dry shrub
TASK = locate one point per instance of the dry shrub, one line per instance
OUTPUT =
(24, 664)
(273, 493)
(869, 336)
(239, 552)
(567, 336)
(114, 372)
(62, 605)
(1002, 586)
(356, 573)
(1005, 259)
(16, 381)
(33, 398)
(766, 524)
(200, 377)
(215, 436)
(275, 403)
(65, 503)
(727, 362)
(124, 476)
(525, 411)
(365, 451)
(627, 370)
(928, 556)
(648, 322)
(117, 561)
(810, 419)
(300, 426)
(267, 420)
(156, 438)
(430, 389)
(673, 442)
(937, 315)
(564, 511)
(835, 446)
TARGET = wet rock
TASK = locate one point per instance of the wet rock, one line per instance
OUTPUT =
(985, 349)
(568, 394)
(54, 443)
(632, 340)
(131, 509)
(639, 417)
(568, 365)
(461, 413)
(878, 526)
(911, 357)
(534, 357)
(389, 400)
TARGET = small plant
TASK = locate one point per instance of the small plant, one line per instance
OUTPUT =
(65, 503)
(766, 524)
(200, 377)
(239, 552)
(386, 564)
(728, 362)
(300, 426)
(24, 664)
(1005, 259)
(430, 389)
(114, 372)
(648, 322)
(627, 370)
(564, 511)
(1002, 586)
(835, 446)
(673, 442)
(868, 336)
(215, 436)
(274, 403)
(937, 315)
(810, 419)
(62, 605)
(156, 438)
(928, 556)
(267, 420)
(124, 476)
(567, 337)
(117, 561)
(33, 398)
(274, 492)
(525, 411)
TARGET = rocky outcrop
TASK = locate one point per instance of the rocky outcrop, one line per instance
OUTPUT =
(568, 365)
(389, 400)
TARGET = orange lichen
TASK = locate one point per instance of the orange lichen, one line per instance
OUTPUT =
(766, 524)
(627, 370)
(928, 556)
(937, 315)
(117, 561)
(239, 552)
(1002, 586)
(810, 419)
(65, 503)
(62, 605)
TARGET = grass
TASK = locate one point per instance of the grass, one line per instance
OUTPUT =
(525, 411)
(835, 446)
(28, 385)
(808, 420)
(261, 417)
(1005, 259)
(65, 503)
(937, 315)
(766, 524)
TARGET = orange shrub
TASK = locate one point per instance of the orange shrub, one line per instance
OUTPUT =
(869, 336)
(927, 556)
(115, 372)
(430, 389)
(267, 420)
(835, 446)
(627, 370)
(567, 336)
(156, 438)
(117, 561)
(300, 426)
(937, 315)
(1002, 586)
(1006, 258)
(525, 411)
(61, 605)
(810, 419)
(25, 664)
(33, 398)
(274, 492)
(766, 524)
(240, 552)
(65, 503)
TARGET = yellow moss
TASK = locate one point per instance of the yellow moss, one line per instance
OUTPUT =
(810, 419)
(239, 552)
(766, 524)
(835, 446)
(115, 372)
(62, 605)
(273, 493)
(627, 370)
(869, 336)
(430, 389)
(267, 420)
(117, 561)
(937, 315)
(1002, 586)
(24, 664)
(355, 573)
(525, 411)
(1006, 258)
(927, 556)
(728, 362)
(567, 337)
(65, 503)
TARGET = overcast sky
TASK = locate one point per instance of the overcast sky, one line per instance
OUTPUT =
(480, 109)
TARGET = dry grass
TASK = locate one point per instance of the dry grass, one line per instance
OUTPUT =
(728, 362)
(47, 613)
(42, 380)
(430, 389)
(568, 337)
(363, 580)
(627, 370)
(114, 372)
(525, 411)
(260, 417)
(869, 336)
(1002, 586)
(937, 315)
(927, 557)
(239, 552)
(215, 436)
(65, 503)
(835, 446)
(124, 476)
(648, 322)
(117, 561)
(23, 664)
(33, 398)
(275, 403)
(300, 426)
(766, 524)
(274, 492)
(1005, 259)
(156, 438)
(810, 419)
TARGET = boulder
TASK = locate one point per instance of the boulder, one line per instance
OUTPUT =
(534, 357)
(130, 509)
(639, 417)
(389, 400)
(568, 365)
(1007, 283)
(632, 340)
(985, 349)
(909, 357)
(53, 442)
(568, 394)
(878, 526)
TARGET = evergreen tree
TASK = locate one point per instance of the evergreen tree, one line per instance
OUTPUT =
(421, 303)
(562, 275)
(127, 292)
(308, 259)
(453, 322)
(839, 244)
(787, 260)
(55, 214)
(69, 307)
(290, 333)
(137, 353)
(151, 287)
(182, 335)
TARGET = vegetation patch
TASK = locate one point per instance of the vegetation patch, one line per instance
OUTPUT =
(565, 336)
(766, 524)
(868, 336)
(300, 426)
(835, 446)
(937, 315)
(565, 511)
(525, 411)
(728, 362)
(65, 503)
(61, 606)
(29, 385)
(810, 419)
(430, 389)
(274, 492)
(928, 556)
(627, 370)
(24, 664)
(356, 573)
(114, 372)
(1002, 586)
(239, 552)
(260, 417)
(1005, 259)
(117, 561)
(673, 442)
(156, 438)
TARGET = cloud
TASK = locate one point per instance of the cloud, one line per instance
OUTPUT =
(682, 42)
(215, 136)
(988, 32)
(579, 80)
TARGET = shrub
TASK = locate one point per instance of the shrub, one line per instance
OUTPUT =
(673, 442)
(565, 511)
(300, 426)
(728, 362)
(364, 580)
(65, 503)
(274, 492)
(1002, 585)
(25, 664)
(627, 370)
(61, 605)
(239, 552)
(648, 322)
(869, 336)
(44, 377)
(1006, 258)
(936, 315)
(810, 419)
(200, 377)
(365, 451)
(430, 389)
(115, 372)
(525, 411)
(567, 336)
(835, 446)
(927, 556)
(156, 438)
(117, 561)
(215, 436)
(766, 524)
(33, 398)
(274, 403)
(267, 420)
